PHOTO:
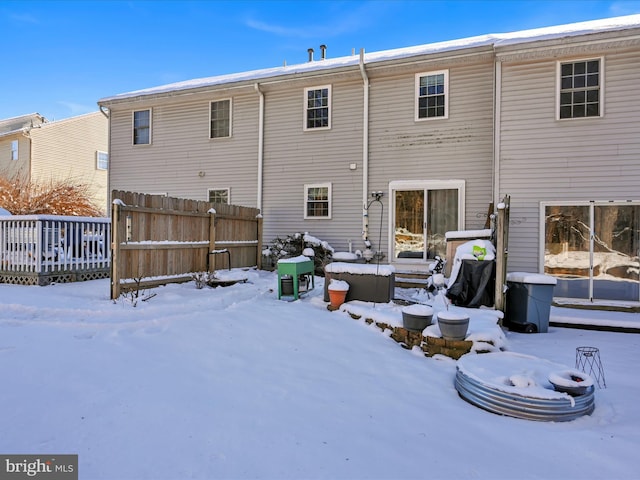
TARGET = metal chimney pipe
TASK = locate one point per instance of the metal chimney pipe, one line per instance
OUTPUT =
(310, 50)
(323, 49)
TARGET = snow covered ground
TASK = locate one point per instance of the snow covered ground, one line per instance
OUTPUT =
(234, 383)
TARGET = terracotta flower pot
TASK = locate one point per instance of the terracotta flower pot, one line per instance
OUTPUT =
(337, 293)
(337, 297)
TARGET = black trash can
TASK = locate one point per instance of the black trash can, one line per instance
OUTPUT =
(528, 305)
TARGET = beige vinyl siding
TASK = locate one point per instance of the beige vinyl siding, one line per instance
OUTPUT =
(10, 168)
(294, 157)
(460, 147)
(181, 149)
(66, 150)
(543, 159)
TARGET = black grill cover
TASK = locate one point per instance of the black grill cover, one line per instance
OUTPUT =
(474, 285)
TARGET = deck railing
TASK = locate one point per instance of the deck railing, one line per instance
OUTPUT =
(49, 244)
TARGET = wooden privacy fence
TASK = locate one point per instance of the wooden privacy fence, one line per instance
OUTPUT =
(158, 239)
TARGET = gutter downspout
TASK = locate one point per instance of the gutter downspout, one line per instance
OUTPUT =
(365, 149)
(107, 113)
(260, 146)
(497, 85)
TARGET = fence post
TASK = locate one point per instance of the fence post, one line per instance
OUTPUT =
(502, 235)
(212, 240)
(115, 250)
(259, 249)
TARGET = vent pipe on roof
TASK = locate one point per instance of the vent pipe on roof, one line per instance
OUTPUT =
(323, 50)
(310, 50)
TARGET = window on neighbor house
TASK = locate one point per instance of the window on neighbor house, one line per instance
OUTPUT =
(220, 119)
(102, 160)
(580, 89)
(317, 108)
(317, 201)
(14, 150)
(219, 195)
(142, 127)
(432, 95)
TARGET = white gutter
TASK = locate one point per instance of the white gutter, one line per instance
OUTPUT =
(497, 85)
(260, 146)
(365, 147)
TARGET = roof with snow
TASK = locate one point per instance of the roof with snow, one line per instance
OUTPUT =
(495, 40)
(15, 124)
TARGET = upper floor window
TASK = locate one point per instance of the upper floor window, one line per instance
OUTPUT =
(219, 195)
(220, 119)
(14, 150)
(432, 95)
(317, 108)
(142, 127)
(102, 160)
(317, 201)
(580, 89)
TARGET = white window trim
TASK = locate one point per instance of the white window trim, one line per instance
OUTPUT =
(423, 185)
(227, 189)
(133, 114)
(98, 167)
(15, 152)
(230, 118)
(304, 108)
(417, 95)
(329, 196)
(559, 84)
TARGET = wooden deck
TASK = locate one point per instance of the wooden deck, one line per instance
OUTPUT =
(42, 249)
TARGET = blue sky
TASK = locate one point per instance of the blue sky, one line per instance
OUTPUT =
(61, 57)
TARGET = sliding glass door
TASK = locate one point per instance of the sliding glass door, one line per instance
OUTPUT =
(593, 249)
(422, 213)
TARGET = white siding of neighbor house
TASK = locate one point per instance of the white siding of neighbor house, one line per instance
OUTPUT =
(181, 149)
(295, 158)
(459, 147)
(543, 159)
(66, 150)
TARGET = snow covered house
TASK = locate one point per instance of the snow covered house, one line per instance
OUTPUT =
(74, 148)
(436, 132)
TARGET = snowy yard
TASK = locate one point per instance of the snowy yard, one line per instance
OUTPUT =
(232, 383)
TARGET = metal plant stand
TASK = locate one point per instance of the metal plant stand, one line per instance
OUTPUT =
(588, 361)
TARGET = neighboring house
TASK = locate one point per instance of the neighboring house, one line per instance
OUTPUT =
(72, 149)
(548, 116)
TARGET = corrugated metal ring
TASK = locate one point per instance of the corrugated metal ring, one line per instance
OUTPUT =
(519, 406)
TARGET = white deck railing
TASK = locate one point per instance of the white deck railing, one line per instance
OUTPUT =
(50, 243)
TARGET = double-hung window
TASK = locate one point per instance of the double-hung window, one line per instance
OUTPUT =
(317, 109)
(317, 201)
(14, 150)
(432, 95)
(220, 119)
(142, 127)
(580, 92)
(102, 160)
(218, 195)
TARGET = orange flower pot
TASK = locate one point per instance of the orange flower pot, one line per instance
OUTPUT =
(337, 297)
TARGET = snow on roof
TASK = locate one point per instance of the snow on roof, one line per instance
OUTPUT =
(496, 40)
